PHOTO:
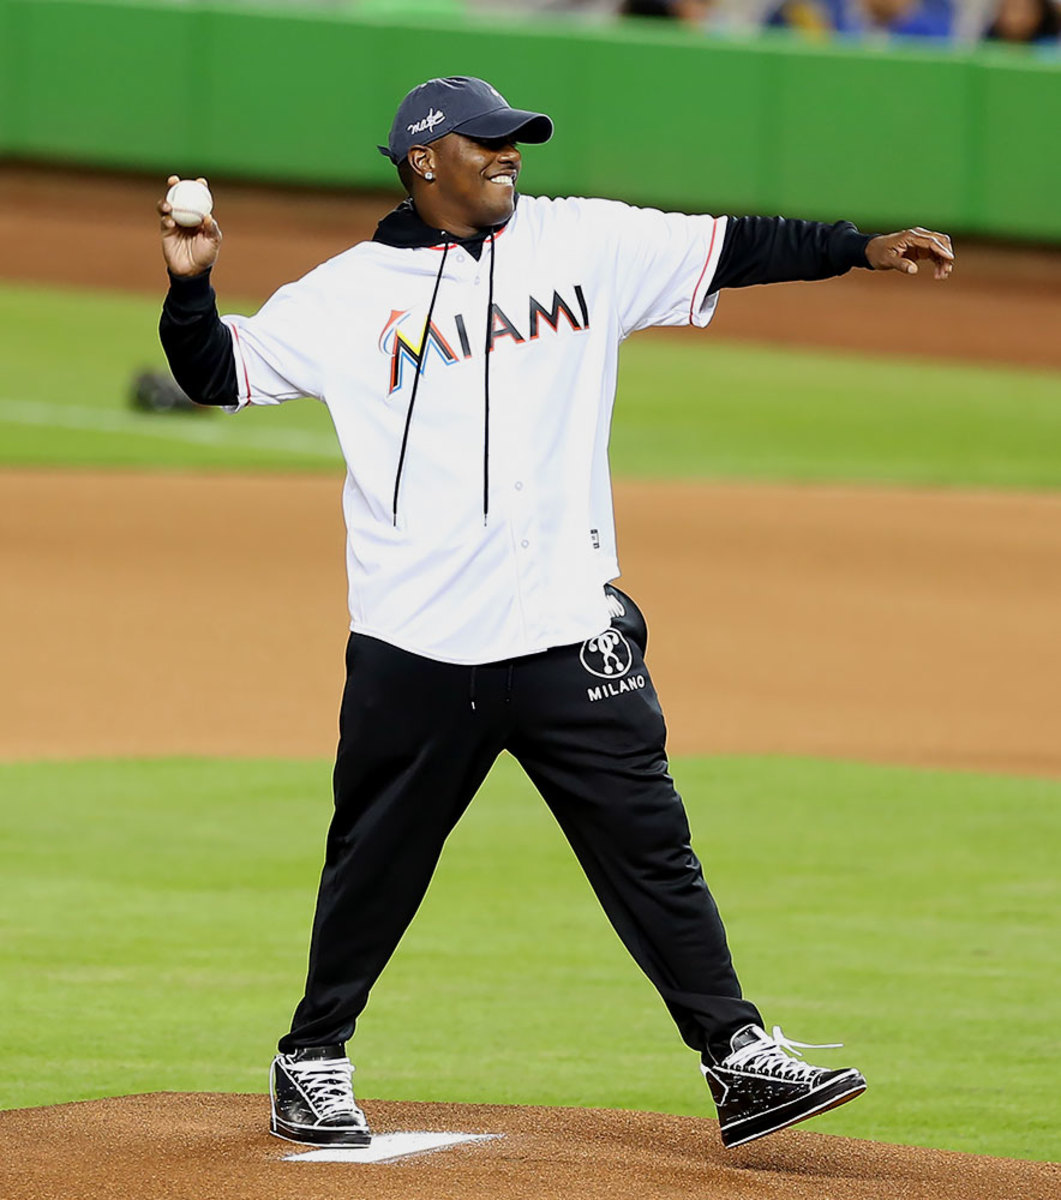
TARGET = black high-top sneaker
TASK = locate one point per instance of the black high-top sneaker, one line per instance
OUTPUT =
(763, 1085)
(313, 1099)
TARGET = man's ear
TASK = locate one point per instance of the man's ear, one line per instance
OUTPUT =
(422, 161)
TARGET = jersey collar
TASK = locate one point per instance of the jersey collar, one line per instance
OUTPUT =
(404, 228)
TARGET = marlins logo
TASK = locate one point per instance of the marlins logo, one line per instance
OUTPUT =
(401, 351)
(397, 341)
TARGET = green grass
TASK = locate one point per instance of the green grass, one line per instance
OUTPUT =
(689, 408)
(69, 360)
(155, 913)
(692, 407)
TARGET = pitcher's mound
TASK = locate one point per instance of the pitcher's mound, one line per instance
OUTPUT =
(173, 1146)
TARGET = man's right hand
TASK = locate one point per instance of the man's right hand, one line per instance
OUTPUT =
(188, 251)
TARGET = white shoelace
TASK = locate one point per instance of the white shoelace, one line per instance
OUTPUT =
(778, 1055)
(326, 1084)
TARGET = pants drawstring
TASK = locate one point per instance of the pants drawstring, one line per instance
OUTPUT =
(473, 678)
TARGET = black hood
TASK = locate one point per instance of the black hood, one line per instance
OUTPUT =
(404, 228)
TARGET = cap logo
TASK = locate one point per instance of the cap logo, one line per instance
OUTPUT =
(429, 122)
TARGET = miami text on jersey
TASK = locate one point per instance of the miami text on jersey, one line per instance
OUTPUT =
(397, 346)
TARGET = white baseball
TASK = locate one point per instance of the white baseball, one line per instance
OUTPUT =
(191, 202)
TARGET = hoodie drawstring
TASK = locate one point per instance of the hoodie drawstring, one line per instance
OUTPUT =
(419, 371)
(486, 385)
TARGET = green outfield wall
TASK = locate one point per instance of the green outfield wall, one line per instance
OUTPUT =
(965, 139)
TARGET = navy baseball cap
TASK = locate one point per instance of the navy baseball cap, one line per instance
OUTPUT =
(460, 104)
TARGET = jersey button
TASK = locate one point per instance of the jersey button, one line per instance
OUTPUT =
(519, 485)
(524, 543)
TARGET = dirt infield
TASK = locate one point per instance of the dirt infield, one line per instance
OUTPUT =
(164, 614)
(173, 1146)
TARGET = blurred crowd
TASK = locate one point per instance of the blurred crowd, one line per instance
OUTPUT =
(1015, 21)
(1028, 22)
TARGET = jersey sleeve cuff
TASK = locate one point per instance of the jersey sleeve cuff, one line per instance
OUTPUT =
(705, 301)
(243, 382)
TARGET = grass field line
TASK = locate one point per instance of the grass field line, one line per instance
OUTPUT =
(199, 430)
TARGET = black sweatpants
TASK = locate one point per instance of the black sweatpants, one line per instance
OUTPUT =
(417, 738)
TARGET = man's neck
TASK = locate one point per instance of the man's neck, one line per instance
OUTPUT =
(450, 224)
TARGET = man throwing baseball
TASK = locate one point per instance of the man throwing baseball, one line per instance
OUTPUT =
(468, 356)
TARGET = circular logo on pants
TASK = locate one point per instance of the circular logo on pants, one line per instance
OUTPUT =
(608, 655)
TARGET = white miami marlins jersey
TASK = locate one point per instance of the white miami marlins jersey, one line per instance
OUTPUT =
(496, 535)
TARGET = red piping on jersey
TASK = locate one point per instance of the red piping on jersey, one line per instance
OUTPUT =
(243, 362)
(710, 251)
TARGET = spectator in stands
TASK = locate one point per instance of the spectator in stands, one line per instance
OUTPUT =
(808, 16)
(690, 12)
(901, 18)
(1025, 21)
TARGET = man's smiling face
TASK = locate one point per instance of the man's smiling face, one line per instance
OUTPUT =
(475, 181)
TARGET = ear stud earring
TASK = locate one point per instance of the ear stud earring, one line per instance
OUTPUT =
(429, 176)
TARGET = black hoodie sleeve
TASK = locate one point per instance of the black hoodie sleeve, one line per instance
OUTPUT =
(778, 250)
(197, 343)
